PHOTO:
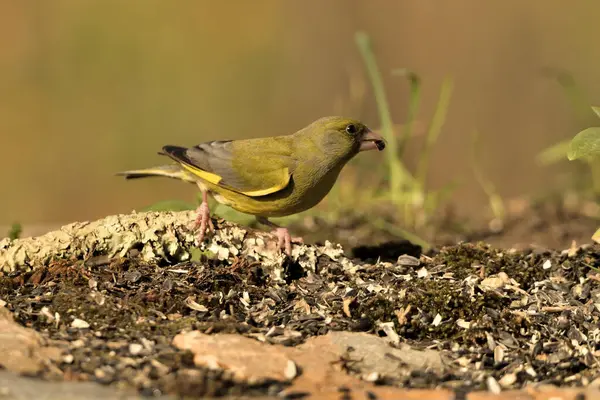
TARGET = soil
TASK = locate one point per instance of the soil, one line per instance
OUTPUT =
(513, 316)
(552, 222)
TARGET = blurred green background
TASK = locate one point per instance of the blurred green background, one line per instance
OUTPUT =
(91, 87)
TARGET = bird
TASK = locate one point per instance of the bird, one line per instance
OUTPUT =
(267, 177)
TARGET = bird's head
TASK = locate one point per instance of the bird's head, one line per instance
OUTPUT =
(342, 137)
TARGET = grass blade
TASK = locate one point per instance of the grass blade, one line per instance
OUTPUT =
(414, 100)
(433, 133)
(397, 172)
(495, 200)
(400, 232)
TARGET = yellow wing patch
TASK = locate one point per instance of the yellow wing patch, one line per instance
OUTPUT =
(216, 179)
(207, 176)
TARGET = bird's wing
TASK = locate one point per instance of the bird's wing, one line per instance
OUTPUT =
(253, 167)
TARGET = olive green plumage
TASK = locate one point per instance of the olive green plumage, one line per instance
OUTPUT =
(270, 176)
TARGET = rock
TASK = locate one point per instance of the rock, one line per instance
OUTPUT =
(79, 324)
(318, 358)
(161, 236)
(247, 359)
(14, 387)
(23, 350)
(374, 354)
(135, 349)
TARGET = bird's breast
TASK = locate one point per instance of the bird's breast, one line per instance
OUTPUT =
(311, 186)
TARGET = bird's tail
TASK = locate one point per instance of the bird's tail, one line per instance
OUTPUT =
(174, 171)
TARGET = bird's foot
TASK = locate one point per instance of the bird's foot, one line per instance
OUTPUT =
(203, 221)
(284, 240)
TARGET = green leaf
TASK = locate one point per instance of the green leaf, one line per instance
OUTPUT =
(596, 236)
(585, 144)
(596, 110)
(554, 153)
(170, 205)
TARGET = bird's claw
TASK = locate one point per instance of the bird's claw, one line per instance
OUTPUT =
(284, 240)
(203, 222)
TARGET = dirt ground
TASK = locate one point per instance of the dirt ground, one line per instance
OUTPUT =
(464, 317)
(552, 222)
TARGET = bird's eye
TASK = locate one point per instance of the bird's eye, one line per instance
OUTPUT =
(351, 129)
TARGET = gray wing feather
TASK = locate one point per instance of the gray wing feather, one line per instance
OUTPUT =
(267, 162)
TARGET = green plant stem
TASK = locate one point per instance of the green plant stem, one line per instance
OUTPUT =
(382, 224)
(414, 100)
(433, 133)
(397, 172)
(15, 231)
(594, 166)
(495, 200)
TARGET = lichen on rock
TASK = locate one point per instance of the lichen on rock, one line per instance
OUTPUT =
(156, 236)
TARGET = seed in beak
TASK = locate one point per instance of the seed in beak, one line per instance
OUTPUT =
(371, 141)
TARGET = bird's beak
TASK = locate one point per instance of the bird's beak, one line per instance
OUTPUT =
(372, 141)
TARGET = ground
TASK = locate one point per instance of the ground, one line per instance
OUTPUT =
(379, 320)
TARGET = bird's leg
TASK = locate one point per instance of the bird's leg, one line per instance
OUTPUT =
(203, 220)
(284, 240)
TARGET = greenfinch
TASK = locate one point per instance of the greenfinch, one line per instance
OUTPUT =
(270, 176)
